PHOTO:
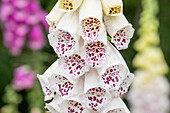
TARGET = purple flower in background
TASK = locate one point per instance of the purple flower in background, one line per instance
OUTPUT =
(22, 20)
(23, 78)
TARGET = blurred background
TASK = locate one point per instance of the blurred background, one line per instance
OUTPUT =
(25, 51)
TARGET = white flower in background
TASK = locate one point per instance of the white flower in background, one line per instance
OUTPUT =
(90, 73)
(156, 98)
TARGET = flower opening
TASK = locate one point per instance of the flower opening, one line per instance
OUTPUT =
(95, 54)
(75, 65)
(91, 29)
(96, 98)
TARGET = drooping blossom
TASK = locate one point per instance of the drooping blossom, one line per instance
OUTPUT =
(24, 78)
(90, 73)
(22, 20)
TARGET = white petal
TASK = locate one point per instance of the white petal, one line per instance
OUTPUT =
(116, 106)
(95, 96)
(65, 39)
(48, 92)
(55, 15)
(112, 7)
(63, 84)
(114, 70)
(120, 30)
(69, 5)
(90, 18)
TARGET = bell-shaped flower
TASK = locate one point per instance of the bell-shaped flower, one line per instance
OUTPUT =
(48, 93)
(114, 75)
(95, 97)
(64, 38)
(55, 15)
(112, 7)
(116, 106)
(63, 84)
(90, 18)
(69, 5)
(120, 30)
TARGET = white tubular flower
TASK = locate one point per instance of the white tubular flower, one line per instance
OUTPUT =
(112, 7)
(116, 106)
(55, 15)
(48, 92)
(95, 97)
(69, 5)
(63, 84)
(90, 18)
(114, 70)
(64, 39)
(120, 30)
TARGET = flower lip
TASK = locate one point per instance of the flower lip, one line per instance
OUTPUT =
(95, 54)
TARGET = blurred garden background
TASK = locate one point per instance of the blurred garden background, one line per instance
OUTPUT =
(25, 50)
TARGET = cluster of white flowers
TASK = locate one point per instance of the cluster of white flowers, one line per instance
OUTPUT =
(90, 75)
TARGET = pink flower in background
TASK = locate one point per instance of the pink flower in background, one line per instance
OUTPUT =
(23, 78)
(22, 20)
